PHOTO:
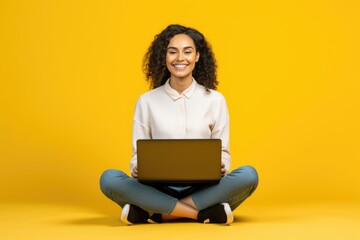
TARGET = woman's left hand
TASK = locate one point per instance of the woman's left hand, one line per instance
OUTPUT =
(223, 170)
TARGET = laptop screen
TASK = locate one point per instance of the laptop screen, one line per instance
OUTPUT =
(179, 161)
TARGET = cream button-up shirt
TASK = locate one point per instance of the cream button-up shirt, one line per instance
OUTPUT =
(163, 113)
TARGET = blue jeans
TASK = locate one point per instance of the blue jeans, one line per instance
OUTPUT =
(234, 188)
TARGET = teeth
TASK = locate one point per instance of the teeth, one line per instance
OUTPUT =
(180, 65)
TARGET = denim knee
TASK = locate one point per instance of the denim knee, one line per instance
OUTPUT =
(107, 179)
(248, 174)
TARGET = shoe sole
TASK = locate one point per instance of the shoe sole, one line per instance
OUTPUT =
(125, 214)
(229, 215)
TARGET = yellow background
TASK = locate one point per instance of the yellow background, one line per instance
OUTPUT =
(70, 74)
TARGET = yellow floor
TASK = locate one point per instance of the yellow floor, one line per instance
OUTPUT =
(50, 221)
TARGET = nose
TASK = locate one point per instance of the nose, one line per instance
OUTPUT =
(180, 57)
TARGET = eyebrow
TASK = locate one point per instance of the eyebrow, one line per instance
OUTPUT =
(188, 47)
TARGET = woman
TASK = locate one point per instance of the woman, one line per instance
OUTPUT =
(183, 103)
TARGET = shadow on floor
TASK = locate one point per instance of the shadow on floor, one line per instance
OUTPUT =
(110, 221)
(114, 221)
(265, 219)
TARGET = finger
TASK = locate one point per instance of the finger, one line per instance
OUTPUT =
(134, 172)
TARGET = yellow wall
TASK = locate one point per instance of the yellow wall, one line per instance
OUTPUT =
(70, 74)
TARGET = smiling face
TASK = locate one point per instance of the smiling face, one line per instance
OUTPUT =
(181, 57)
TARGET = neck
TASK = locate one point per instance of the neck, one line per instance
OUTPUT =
(180, 84)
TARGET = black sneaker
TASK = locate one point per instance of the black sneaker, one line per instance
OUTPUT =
(220, 213)
(132, 214)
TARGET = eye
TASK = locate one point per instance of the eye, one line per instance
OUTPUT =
(171, 52)
(188, 52)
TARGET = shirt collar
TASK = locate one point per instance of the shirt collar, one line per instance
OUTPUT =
(186, 93)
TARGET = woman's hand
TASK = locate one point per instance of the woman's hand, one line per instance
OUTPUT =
(134, 172)
(223, 170)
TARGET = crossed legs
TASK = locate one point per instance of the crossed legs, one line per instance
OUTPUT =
(233, 189)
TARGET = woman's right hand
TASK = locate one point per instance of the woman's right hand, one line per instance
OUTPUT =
(134, 172)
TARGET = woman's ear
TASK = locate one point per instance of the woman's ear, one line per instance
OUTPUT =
(197, 56)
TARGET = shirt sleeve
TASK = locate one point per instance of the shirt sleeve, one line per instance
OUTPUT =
(221, 131)
(141, 129)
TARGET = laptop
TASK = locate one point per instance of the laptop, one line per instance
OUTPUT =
(179, 161)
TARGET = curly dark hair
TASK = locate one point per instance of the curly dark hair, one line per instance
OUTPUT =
(154, 63)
